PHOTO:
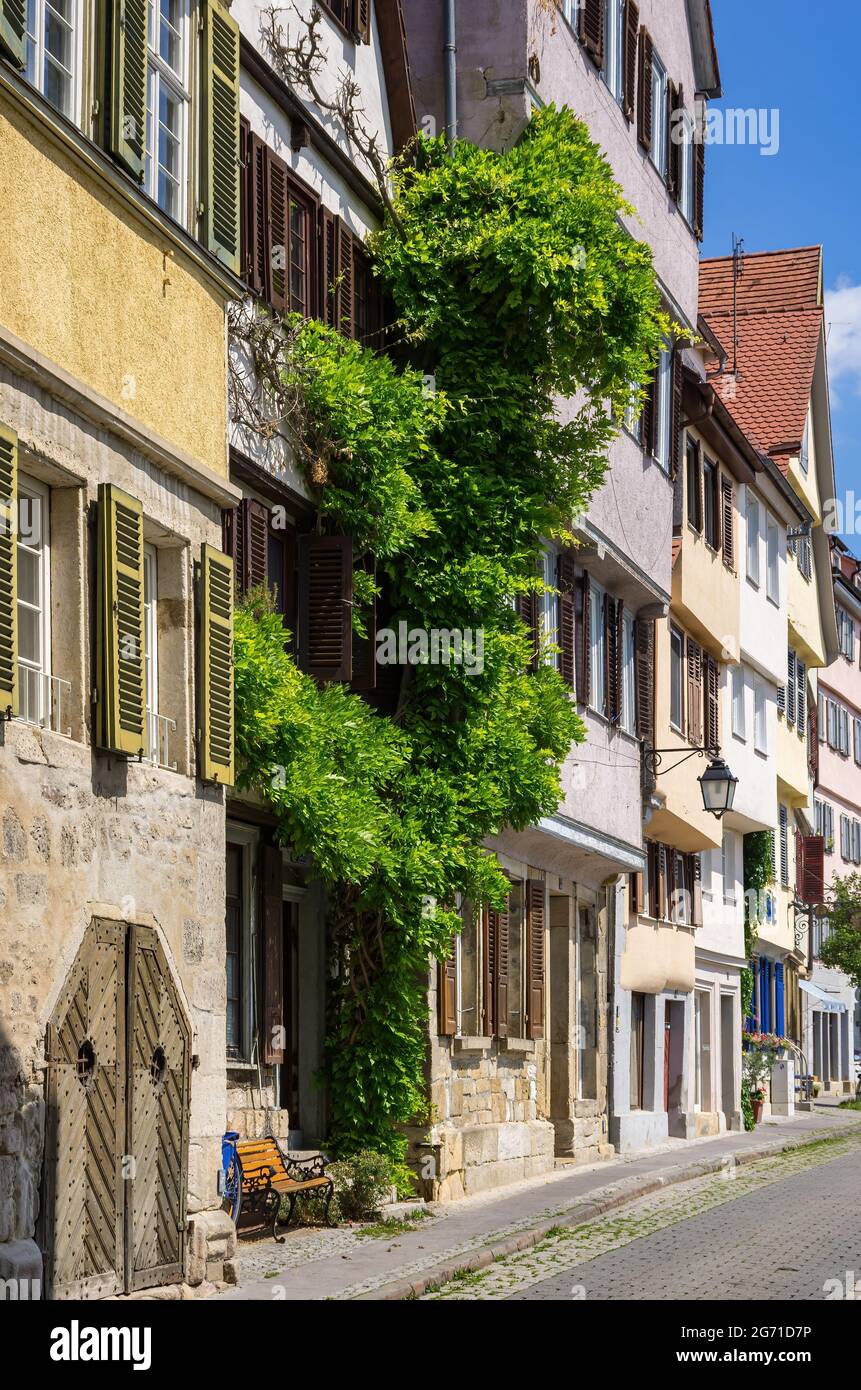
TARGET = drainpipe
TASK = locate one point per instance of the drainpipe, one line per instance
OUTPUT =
(450, 72)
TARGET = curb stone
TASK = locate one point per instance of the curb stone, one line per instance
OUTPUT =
(586, 1209)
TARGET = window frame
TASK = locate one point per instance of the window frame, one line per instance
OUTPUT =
(760, 717)
(664, 407)
(246, 839)
(75, 25)
(628, 722)
(687, 171)
(738, 703)
(659, 152)
(179, 84)
(614, 49)
(548, 607)
(597, 694)
(711, 500)
(34, 490)
(694, 485)
(150, 566)
(772, 563)
(752, 535)
(676, 633)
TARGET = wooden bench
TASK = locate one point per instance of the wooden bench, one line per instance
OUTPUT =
(268, 1176)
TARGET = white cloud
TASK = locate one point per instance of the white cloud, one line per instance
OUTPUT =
(843, 320)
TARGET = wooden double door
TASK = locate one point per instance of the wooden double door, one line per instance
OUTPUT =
(118, 1092)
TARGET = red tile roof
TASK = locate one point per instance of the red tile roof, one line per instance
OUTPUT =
(780, 316)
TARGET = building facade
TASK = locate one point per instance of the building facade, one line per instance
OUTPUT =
(114, 604)
(510, 1094)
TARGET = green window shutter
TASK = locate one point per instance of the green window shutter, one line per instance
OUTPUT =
(8, 571)
(13, 26)
(215, 684)
(128, 83)
(219, 85)
(121, 691)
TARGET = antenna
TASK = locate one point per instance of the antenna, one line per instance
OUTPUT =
(737, 273)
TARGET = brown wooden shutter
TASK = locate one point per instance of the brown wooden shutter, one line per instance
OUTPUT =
(699, 185)
(695, 691)
(258, 217)
(612, 659)
(535, 993)
(584, 645)
(727, 494)
(346, 282)
(272, 1010)
(590, 29)
(672, 148)
(447, 997)
(325, 607)
(644, 660)
(566, 582)
(653, 874)
(278, 233)
(489, 920)
(644, 91)
(363, 20)
(712, 705)
(244, 197)
(527, 611)
(632, 29)
(501, 936)
(636, 900)
(649, 417)
(328, 267)
(256, 519)
(813, 869)
(663, 873)
(677, 388)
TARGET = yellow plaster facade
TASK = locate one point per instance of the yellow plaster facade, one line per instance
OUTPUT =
(88, 283)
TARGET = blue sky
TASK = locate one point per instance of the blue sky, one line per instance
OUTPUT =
(802, 60)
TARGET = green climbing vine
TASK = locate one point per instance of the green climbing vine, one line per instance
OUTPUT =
(515, 285)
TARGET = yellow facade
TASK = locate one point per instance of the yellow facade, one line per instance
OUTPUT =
(97, 289)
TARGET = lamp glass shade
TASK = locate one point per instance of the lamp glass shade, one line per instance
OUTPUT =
(718, 787)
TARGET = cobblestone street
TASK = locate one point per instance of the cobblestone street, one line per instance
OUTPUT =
(779, 1229)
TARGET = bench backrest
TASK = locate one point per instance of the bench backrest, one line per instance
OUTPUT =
(258, 1156)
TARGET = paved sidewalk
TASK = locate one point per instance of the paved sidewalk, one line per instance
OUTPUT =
(315, 1264)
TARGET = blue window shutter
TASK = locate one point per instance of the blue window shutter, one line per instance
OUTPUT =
(750, 1021)
(765, 996)
(779, 1000)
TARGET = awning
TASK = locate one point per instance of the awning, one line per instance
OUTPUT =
(822, 1001)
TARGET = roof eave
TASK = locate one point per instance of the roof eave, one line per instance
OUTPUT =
(706, 68)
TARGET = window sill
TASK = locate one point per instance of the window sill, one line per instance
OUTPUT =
(472, 1045)
(523, 1045)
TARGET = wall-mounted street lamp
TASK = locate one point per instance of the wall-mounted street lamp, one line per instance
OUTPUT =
(717, 783)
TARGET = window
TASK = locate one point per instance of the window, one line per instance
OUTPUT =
(846, 633)
(694, 485)
(804, 456)
(151, 644)
(702, 1045)
(664, 407)
(711, 507)
(760, 717)
(752, 538)
(53, 53)
(845, 837)
(824, 823)
(234, 915)
(681, 904)
(34, 602)
(549, 602)
(728, 866)
(596, 634)
(614, 46)
(168, 102)
(773, 560)
(638, 1049)
(659, 149)
(687, 192)
(856, 740)
(739, 723)
(677, 670)
(588, 1001)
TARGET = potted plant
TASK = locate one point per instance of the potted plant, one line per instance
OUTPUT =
(756, 1066)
